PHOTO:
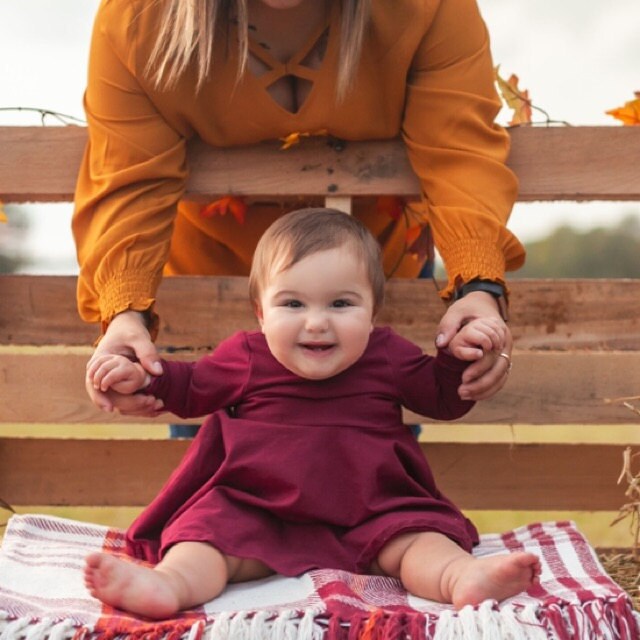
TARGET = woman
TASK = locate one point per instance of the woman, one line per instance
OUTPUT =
(238, 72)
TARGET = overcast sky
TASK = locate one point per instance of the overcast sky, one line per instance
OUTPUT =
(577, 58)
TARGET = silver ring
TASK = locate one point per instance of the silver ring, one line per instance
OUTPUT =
(507, 357)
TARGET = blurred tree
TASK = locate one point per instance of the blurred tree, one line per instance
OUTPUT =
(12, 237)
(599, 253)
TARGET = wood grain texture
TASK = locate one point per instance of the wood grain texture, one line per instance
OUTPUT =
(545, 314)
(544, 388)
(576, 163)
(552, 163)
(475, 476)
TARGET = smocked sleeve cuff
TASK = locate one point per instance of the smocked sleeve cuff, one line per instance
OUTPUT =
(471, 258)
(133, 291)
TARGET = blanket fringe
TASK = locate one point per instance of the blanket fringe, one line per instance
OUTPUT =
(487, 622)
(609, 620)
(27, 629)
(262, 625)
(606, 620)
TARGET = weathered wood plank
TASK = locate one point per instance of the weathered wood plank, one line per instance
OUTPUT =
(529, 477)
(38, 163)
(475, 476)
(576, 163)
(554, 163)
(544, 388)
(545, 314)
(53, 471)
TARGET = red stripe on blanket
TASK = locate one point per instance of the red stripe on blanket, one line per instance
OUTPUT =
(42, 594)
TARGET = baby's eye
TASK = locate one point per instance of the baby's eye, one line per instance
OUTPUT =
(340, 303)
(292, 304)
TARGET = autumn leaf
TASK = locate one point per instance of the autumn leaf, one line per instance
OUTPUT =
(236, 206)
(629, 113)
(294, 138)
(3, 215)
(516, 99)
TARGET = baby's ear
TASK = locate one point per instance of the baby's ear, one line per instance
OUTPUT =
(257, 309)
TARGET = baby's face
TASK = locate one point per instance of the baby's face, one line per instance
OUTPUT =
(317, 315)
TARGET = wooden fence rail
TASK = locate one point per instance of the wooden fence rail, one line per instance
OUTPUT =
(556, 163)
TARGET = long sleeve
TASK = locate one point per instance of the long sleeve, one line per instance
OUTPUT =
(426, 385)
(216, 381)
(132, 175)
(457, 151)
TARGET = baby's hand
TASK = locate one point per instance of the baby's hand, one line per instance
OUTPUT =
(478, 337)
(117, 373)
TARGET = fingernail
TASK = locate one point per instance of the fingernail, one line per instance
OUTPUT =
(157, 368)
(439, 340)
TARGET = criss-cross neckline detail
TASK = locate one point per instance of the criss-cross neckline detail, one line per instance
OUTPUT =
(276, 69)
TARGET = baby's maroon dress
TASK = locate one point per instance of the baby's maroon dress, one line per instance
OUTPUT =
(303, 474)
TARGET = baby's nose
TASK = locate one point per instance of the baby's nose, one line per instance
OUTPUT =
(317, 321)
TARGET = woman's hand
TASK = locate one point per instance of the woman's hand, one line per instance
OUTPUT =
(127, 335)
(486, 376)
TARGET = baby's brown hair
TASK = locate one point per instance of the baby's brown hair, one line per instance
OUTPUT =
(301, 233)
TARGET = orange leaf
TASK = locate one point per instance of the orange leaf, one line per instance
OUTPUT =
(236, 206)
(294, 138)
(515, 98)
(629, 114)
(291, 139)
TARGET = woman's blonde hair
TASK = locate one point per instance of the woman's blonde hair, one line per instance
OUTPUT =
(188, 29)
(304, 232)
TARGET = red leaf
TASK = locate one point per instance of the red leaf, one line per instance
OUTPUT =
(236, 206)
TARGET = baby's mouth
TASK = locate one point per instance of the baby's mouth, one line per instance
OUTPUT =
(316, 346)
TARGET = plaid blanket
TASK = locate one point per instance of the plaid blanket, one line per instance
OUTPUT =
(42, 597)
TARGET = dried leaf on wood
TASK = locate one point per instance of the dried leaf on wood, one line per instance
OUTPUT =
(516, 99)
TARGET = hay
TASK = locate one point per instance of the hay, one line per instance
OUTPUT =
(624, 569)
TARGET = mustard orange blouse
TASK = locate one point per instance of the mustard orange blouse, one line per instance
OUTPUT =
(425, 74)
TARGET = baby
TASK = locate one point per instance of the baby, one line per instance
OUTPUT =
(304, 461)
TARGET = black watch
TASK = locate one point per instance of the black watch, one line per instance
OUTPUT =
(488, 286)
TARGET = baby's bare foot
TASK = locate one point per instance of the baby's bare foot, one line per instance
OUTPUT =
(123, 584)
(494, 577)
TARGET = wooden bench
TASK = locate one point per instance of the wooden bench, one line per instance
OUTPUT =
(577, 341)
